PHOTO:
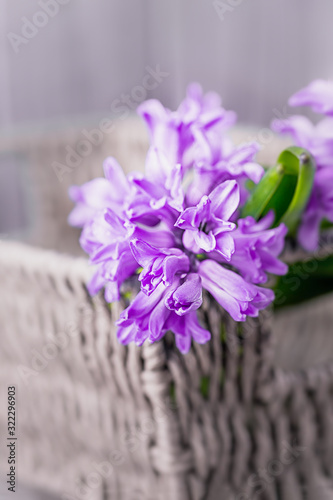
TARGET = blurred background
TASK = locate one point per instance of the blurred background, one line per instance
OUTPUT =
(65, 65)
(254, 53)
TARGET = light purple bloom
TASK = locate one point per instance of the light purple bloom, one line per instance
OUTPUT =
(148, 318)
(195, 132)
(194, 136)
(106, 238)
(257, 248)
(320, 207)
(161, 220)
(318, 95)
(110, 275)
(160, 189)
(159, 264)
(186, 297)
(232, 292)
(186, 328)
(144, 318)
(318, 139)
(207, 225)
(238, 164)
(99, 194)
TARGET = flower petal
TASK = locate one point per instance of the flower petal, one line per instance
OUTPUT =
(318, 95)
(205, 241)
(225, 245)
(117, 178)
(225, 200)
(186, 297)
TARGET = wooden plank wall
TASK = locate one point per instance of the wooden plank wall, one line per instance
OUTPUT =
(94, 50)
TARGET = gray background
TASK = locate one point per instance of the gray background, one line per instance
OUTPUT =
(94, 50)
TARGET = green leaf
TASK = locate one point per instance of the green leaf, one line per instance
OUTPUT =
(285, 189)
(262, 194)
(302, 164)
(304, 281)
(326, 224)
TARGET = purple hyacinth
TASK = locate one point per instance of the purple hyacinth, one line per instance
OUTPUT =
(195, 132)
(159, 264)
(257, 248)
(149, 318)
(106, 238)
(186, 328)
(186, 297)
(195, 136)
(232, 292)
(238, 164)
(320, 207)
(318, 139)
(159, 192)
(207, 225)
(173, 233)
(318, 95)
(100, 193)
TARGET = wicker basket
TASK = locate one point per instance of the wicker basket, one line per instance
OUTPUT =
(246, 416)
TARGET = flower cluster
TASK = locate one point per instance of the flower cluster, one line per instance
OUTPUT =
(176, 228)
(318, 139)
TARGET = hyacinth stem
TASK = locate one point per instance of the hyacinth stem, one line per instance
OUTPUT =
(285, 189)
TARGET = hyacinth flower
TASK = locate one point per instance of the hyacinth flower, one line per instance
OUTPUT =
(318, 95)
(320, 207)
(207, 225)
(145, 228)
(158, 264)
(195, 136)
(99, 193)
(257, 247)
(186, 297)
(318, 140)
(159, 190)
(149, 318)
(146, 317)
(232, 292)
(195, 132)
(238, 164)
(106, 238)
